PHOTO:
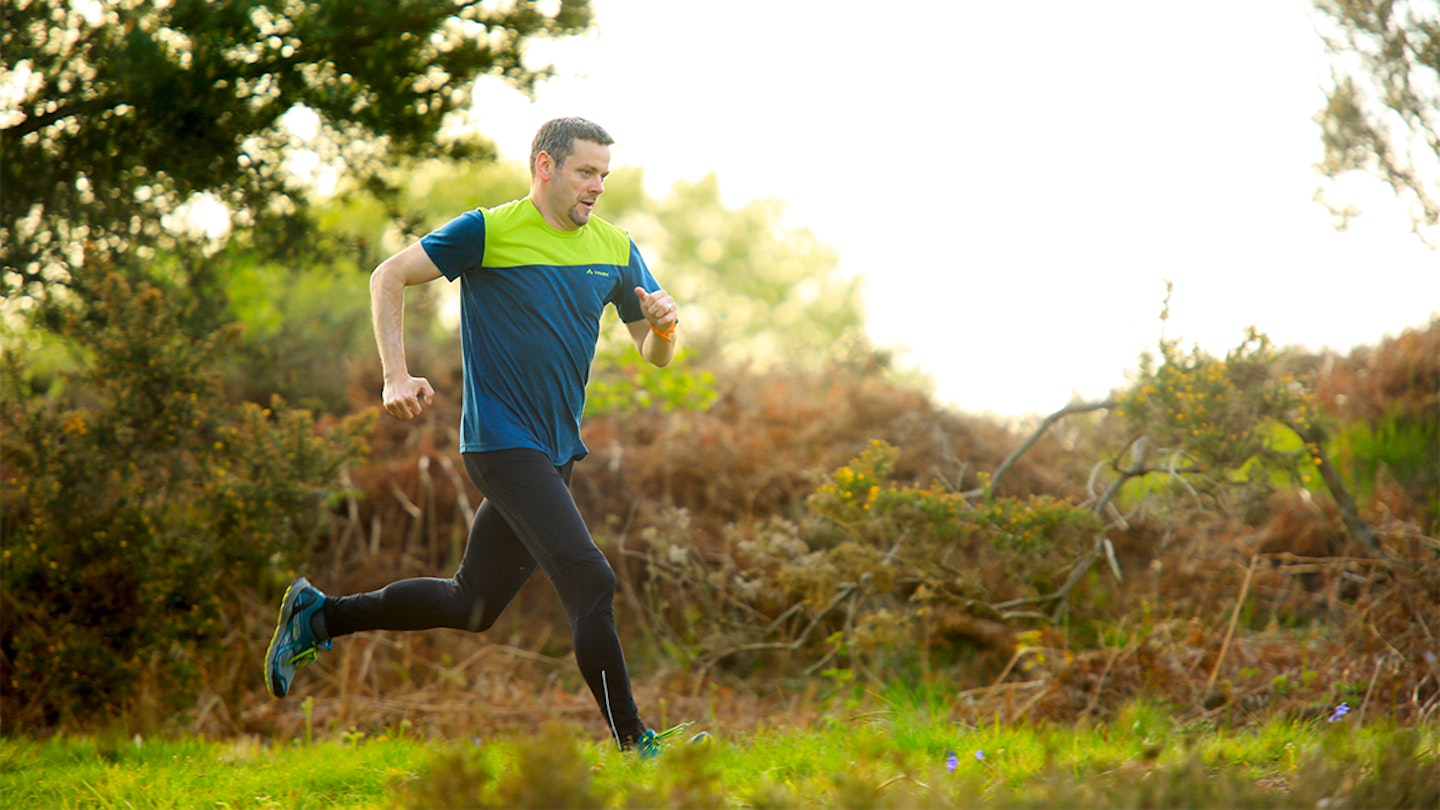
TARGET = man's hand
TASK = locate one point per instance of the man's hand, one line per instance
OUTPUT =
(659, 308)
(406, 397)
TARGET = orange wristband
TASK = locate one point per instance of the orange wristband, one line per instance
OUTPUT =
(667, 335)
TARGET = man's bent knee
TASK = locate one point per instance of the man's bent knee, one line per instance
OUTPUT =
(594, 590)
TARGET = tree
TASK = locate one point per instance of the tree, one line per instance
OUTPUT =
(1382, 110)
(127, 114)
(754, 291)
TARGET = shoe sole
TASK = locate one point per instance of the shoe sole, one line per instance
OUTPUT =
(287, 606)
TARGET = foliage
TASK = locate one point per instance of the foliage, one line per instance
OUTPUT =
(1382, 108)
(140, 506)
(877, 576)
(305, 329)
(750, 290)
(1222, 429)
(1391, 450)
(130, 114)
(1214, 414)
(626, 384)
(1385, 402)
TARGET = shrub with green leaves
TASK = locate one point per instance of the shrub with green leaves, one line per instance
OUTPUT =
(1213, 412)
(623, 383)
(139, 505)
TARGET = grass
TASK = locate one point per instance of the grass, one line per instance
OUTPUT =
(192, 772)
(896, 757)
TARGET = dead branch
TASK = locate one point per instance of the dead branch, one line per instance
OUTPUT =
(1068, 410)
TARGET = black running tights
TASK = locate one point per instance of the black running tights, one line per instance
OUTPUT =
(528, 517)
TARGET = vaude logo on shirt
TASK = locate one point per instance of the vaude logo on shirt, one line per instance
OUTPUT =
(593, 272)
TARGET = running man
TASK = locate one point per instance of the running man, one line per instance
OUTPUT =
(535, 276)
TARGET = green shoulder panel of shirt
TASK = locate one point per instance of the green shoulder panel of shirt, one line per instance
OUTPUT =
(516, 235)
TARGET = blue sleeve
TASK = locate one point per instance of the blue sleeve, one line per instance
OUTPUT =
(458, 245)
(635, 274)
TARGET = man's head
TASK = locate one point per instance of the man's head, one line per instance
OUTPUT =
(557, 138)
(569, 161)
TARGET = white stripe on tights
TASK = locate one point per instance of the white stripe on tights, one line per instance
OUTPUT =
(605, 685)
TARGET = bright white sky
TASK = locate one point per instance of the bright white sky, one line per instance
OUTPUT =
(1014, 181)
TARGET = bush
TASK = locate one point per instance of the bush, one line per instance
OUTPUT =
(139, 507)
(876, 576)
(1222, 419)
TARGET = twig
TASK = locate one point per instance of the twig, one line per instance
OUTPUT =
(1360, 716)
(353, 526)
(900, 777)
(462, 496)
(1109, 549)
(1234, 619)
(1185, 482)
(1019, 651)
(1091, 481)
(984, 691)
(1010, 615)
(1100, 685)
(412, 510)
(427, 498)
(1110, 491)
(1029, 704)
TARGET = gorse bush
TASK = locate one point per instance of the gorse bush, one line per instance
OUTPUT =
(140, 506)
(1215, 416)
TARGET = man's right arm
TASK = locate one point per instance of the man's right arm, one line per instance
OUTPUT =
(404, 396)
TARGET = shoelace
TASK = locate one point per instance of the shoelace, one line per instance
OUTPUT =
(650, 742)
(671, 732)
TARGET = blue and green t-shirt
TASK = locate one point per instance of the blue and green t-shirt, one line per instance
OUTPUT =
(531, 298)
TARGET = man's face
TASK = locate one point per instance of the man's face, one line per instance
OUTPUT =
(576, 185)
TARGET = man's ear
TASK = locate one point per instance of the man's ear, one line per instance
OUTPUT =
(544, 166)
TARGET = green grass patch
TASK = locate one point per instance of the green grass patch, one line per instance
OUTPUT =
(65, 772)
(906, 755)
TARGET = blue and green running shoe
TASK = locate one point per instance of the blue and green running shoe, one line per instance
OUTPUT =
(649, 744)
(294, 644)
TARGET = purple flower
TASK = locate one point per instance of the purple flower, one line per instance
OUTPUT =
(979, 756)
(1340, 711)
(951, 761)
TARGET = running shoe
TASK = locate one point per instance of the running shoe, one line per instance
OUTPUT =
(649, 744)
(294, 644)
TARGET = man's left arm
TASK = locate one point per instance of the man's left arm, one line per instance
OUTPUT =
(655, 336)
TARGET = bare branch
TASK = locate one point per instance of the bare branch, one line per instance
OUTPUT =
(1068, 410)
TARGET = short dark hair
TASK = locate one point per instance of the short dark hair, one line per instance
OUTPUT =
(557, 137)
